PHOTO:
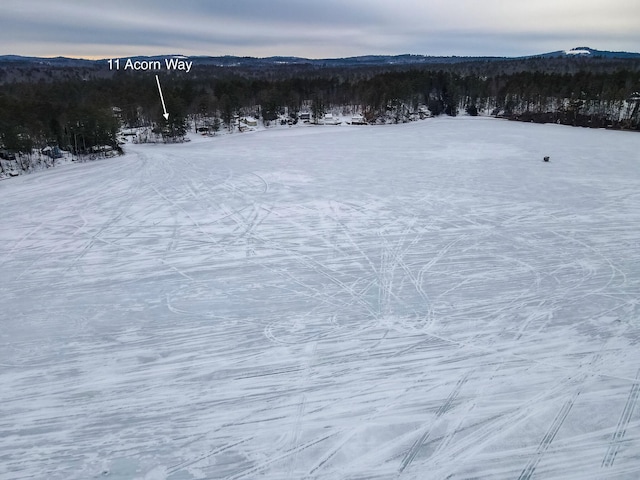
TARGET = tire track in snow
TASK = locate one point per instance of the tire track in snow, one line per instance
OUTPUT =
(324, 271)
(623, 422)
(356, 297)
(22, 239)
(195, 222)
(138, 251)
(614, 270)
(417, 446)
(297, 432)
(130, 196)
(425, 269)
(333, 451)
(346, 232)
(250, 224)
(500, 425)
(188, 463)
(389, 260)
(251, 471)
(469, 407)
(551, 433)
(266, 184)
(383, 272)
(298, 421)
(398, 255)
(555, 426)
(366, 421)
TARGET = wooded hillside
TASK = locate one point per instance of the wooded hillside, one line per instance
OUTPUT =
(77, 107)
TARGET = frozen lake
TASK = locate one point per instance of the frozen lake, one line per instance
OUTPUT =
(427, 300)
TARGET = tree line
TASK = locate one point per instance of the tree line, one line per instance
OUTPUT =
(79, 114)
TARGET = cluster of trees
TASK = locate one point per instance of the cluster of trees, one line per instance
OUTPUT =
(67, 114)
(79, 114)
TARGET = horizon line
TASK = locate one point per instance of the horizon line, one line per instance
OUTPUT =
(98, 58)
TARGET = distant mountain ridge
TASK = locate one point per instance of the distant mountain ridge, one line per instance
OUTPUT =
(589, 52)
(364, 60)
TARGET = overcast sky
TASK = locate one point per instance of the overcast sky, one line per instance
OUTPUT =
(314, 28)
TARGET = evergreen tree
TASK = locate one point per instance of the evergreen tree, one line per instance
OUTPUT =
(317, 109)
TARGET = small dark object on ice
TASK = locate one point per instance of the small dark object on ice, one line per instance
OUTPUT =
(546, 159)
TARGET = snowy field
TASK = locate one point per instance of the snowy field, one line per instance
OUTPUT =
(420, 301)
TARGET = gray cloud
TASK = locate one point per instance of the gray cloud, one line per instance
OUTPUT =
(314, 28)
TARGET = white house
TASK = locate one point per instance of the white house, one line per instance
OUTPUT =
(329, 119)
(250, 121)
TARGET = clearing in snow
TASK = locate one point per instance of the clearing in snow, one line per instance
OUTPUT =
(390, 302)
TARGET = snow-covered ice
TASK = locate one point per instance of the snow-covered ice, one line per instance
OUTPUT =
(428, 300)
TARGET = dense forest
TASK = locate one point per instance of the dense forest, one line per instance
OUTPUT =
(79, 108)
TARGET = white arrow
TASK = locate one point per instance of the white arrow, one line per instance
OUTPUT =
(164, 107)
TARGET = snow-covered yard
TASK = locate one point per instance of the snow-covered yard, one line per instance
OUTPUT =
(428, 300)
